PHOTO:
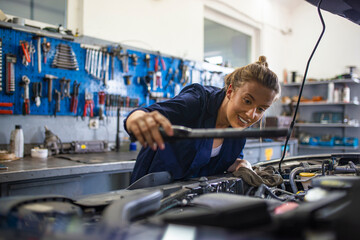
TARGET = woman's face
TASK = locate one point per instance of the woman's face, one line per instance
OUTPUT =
(247, 104)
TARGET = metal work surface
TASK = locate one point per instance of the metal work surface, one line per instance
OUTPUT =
(250, 143)
(31, 168)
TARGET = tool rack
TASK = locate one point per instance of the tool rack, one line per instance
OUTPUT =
(127, 88)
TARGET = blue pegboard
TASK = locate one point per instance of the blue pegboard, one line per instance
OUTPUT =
(136, 89)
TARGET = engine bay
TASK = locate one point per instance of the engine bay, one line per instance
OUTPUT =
(317, 198)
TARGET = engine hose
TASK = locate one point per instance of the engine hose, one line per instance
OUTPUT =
(323, 168)
(351, 169)
(249, 190)
(297, 170)
(353, 166)
(261, 190)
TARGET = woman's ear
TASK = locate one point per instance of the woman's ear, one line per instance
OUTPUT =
(229, 91)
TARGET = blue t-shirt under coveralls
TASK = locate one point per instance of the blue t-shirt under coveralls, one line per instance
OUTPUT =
(196, 107)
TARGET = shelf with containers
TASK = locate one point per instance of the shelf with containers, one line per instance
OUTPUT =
(325, 122)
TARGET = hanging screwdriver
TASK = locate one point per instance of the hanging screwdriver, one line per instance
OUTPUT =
(26, 105)
(37, 90)
(46, 46)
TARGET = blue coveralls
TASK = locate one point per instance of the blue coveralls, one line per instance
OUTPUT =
(196, 107)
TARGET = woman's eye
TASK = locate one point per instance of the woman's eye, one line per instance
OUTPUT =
(247, 101)
(261, 109)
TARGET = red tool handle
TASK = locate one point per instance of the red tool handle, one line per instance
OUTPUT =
(26, 107)
(6, 111)
(163, 64)
(88, 103)
(156, 64)
(6, 104)
(85, 108)
(101, 97)
(25, 51)
(75, 105)
(91, 108)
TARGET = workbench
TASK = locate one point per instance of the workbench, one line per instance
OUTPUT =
(84, 174)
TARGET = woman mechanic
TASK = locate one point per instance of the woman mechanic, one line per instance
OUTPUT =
(248, 92)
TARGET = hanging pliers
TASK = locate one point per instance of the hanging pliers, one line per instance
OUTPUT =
(157, 59)
(89, 103)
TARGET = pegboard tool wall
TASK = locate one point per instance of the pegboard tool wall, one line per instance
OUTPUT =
(135, 88)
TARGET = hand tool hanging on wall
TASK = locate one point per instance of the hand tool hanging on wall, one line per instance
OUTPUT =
(152, 76)
(57, 102)
(134, 59)
(0, 64)
(46, 46)
(25, 47)
(99, 65)
(124, 58)
(6, 111)
(32, 52)
(10, 73)
(87, 59)
(101, 105)
(94, 62)
(117, 140)
(169, 73)
(185, 73)
(168, 78)
(38, 52)
(106, 77)
(147, 60)
(37, 91)
(89, 103)
(107, 104)
(158, 68)
(74, 98)
(26, 105)
(49, 78)
(127, 79)
(65, 58)
(65, 88)
(115, 52)
(158, 60)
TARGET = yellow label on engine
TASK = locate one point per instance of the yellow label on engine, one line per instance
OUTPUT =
(83, 146)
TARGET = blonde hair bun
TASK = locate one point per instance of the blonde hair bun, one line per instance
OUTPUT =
(262, 61)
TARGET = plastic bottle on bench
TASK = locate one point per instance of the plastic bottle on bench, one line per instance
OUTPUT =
(17, 141)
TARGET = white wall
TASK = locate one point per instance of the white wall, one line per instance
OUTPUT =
(175, 27)
(339, 47)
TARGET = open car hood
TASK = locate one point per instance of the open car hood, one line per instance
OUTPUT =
(349, 9)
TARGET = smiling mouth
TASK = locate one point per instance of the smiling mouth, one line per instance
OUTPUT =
(242, 120)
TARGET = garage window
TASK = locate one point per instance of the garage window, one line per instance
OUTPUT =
(47, 11)
(226, 46)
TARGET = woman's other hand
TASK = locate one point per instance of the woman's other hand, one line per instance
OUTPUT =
(238, 164)
(145, 127)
